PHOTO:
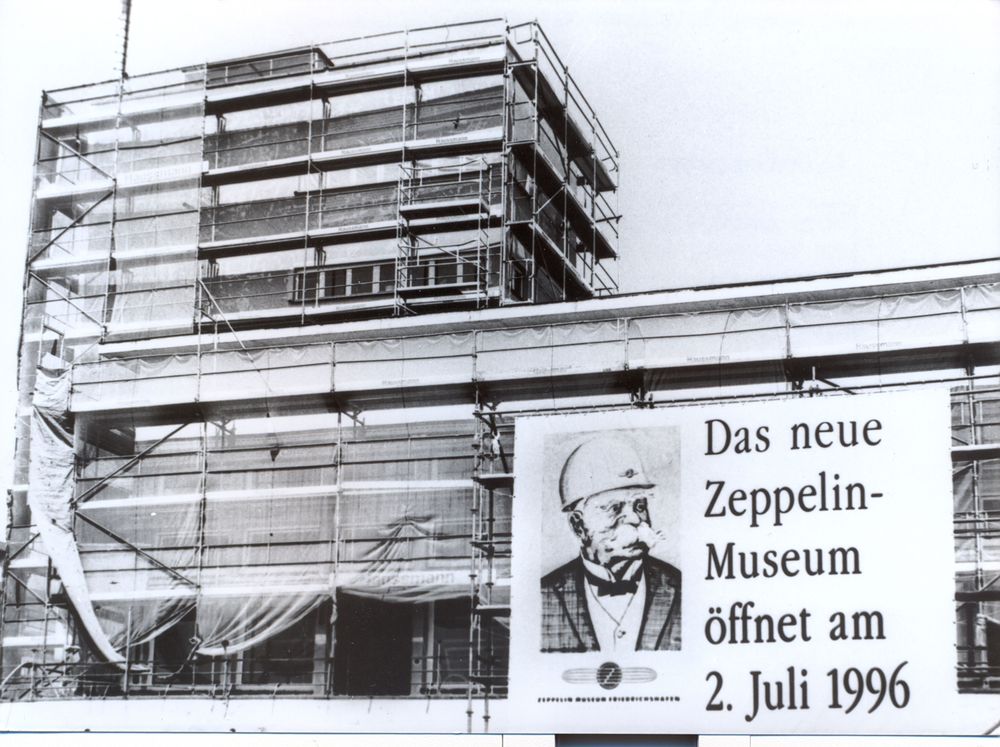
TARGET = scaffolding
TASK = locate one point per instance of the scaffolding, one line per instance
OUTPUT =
(564, 163)
(267, 505)
(976, 472)
(287, 500)
(300, 168)
(493, 476)
(465, 192)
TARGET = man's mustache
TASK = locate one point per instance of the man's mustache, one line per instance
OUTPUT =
(627, 535)
(648, 536)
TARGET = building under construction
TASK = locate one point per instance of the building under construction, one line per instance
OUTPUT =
(281, 314)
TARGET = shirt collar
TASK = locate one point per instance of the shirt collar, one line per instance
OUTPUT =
(599, 571)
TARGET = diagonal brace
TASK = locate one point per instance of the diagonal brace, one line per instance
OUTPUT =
(27, 588)
(93, 489)
(545, 204)
(75, 222)
(835, 385)
(63, 297)
(141, 553)
(23, 547)
(75, 152)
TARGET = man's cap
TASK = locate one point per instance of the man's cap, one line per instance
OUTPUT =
(596, 466)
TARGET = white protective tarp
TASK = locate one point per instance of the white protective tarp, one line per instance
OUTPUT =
(431, 360)
(558, 350)
(229, 561)
(254, 553)
(707, 338)
(881, 324)
(50, 492)
(135, 598)
(230, 624)
(277, 371)
(149, 381)
(982, 312)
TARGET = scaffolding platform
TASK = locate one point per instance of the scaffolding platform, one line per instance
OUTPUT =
(95, 262)
(492, 610)
(329, 236)
(442, 208)
(581, 149)
(975, 452)
(443, 289)
(357, 157)
(492, 548)
(541, 168)
(530, 233)
(490, 680)
(495, 480)
(152, 111)
(126, 185)
(297, 239)
(338, 82)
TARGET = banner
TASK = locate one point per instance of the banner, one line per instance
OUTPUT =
(768, 567)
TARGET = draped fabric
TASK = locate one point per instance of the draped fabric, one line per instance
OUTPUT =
(50, 492)
(543, 359)
(260, 529)
(253, 534)
(136, 595)
(227, 625)
(384, 574)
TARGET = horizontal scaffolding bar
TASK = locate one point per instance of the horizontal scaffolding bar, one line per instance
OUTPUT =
(477, 141)
(670, 352)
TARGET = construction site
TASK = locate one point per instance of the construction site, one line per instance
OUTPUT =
(281, 314)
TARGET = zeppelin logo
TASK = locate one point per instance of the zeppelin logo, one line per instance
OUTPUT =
(609, 675)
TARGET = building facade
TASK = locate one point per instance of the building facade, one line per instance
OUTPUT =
(281, 315)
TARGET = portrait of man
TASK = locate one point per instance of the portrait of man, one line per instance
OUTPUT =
(614, 596)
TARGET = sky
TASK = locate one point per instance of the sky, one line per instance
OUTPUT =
(759, 139)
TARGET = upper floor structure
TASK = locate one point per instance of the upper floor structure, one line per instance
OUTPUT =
(453, 166)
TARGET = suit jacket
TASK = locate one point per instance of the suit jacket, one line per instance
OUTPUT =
(566, 624)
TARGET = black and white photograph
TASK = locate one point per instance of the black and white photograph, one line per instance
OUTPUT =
(427, 367)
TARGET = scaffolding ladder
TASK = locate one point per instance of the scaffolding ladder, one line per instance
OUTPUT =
(493, 482)
(457, 196)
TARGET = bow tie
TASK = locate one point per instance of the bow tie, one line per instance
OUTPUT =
(614, 588)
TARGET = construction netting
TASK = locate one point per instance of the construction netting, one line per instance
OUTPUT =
(114, 242)
(402, 370)
(50, 495)
(252, 532)
(243, 528)
(976, 421)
